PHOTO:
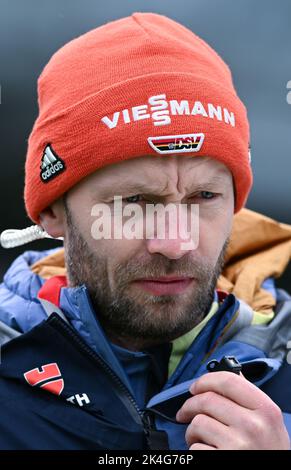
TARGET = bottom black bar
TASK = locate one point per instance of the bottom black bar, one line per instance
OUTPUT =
(140, 459)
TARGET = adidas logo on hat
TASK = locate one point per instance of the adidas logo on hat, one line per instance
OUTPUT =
(51, 164)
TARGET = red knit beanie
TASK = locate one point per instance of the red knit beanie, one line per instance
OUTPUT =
(141, 85)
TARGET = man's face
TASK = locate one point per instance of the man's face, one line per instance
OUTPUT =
(149, 291)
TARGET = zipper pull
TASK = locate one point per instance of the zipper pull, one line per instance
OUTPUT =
(227, 363)
(156, 439)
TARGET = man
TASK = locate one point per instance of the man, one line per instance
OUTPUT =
(109, 349)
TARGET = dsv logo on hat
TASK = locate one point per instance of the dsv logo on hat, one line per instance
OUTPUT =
(177, 143)
(51, 164)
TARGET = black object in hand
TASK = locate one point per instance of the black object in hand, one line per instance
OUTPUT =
(227, 363)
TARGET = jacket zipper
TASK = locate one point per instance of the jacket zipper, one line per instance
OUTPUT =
(144, 417)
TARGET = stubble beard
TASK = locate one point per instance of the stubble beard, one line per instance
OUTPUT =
(130, 316)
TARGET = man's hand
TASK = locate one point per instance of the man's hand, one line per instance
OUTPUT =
(229, 412)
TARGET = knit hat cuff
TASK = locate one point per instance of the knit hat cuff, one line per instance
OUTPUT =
(116, 123)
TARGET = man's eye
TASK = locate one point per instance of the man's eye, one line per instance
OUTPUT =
(135, 198)
(207, 195)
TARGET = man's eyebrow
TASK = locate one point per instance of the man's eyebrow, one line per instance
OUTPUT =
(213, 181)
(133, 187)
(128, 187)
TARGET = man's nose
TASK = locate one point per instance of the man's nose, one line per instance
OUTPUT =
(170, 248)
(174, 242)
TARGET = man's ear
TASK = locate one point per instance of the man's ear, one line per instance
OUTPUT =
(53, 219)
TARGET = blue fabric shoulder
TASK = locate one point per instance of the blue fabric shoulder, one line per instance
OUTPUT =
(19, 307)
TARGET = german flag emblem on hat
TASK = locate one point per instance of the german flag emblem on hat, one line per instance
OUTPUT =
(177, 143)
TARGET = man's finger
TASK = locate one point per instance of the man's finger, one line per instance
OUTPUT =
(208, 431)
(232, 386)
(212, 404)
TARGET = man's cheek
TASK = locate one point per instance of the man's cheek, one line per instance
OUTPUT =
(211, 241)
(118, 253)
(121, 251)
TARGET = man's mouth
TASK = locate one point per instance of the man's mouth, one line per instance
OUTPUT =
(168, 285)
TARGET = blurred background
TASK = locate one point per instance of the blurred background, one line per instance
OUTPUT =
(252, 36)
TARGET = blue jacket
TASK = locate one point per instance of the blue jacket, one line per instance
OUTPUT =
(63, 385)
